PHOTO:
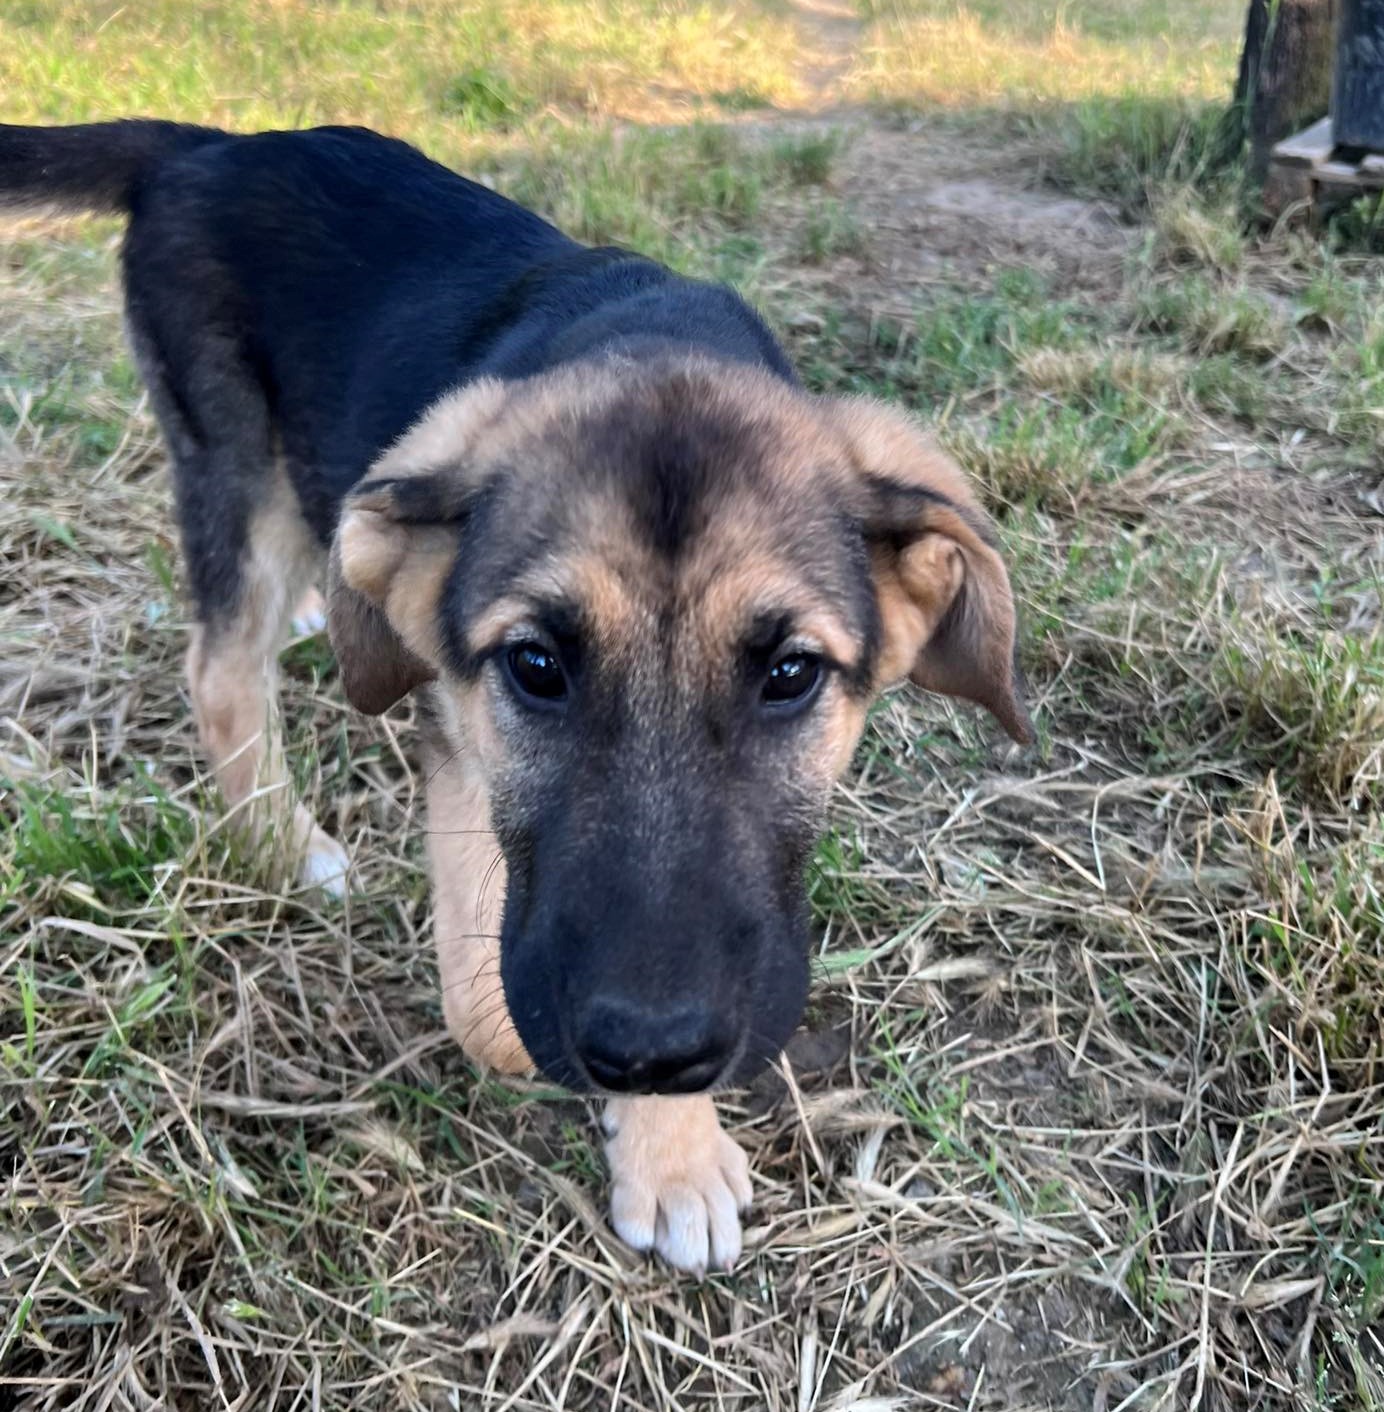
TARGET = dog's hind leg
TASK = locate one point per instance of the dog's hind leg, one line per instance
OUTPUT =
(249, 554)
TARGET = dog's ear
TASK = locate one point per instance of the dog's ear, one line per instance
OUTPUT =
(946, 608)
(385, 577)
(399, 535)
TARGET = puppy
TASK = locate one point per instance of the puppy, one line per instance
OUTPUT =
(643, 584)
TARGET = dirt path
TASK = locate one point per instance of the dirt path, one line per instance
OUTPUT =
(938, 207)
(932, 204)
(831, 32)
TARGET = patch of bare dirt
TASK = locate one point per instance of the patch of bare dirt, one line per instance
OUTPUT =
(1032, 1352)
(934, 208)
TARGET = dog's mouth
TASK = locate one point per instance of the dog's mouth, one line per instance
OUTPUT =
(624, 1050)
(692, 1067)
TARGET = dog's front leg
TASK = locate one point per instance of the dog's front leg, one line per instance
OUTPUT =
(468, 899)
(679, 1183)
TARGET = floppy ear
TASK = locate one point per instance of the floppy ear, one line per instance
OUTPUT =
(385, 578)
(946, 608)
(395, 545)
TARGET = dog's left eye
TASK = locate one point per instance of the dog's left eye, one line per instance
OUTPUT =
(536, 673)
(792, 680)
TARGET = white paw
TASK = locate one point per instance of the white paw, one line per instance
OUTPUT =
(310, 616)
(678, 1182)
(325, 864)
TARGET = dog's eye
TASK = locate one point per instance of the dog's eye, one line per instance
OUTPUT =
(536, 672)
(792, 680)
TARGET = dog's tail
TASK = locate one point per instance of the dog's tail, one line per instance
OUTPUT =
(89, 167)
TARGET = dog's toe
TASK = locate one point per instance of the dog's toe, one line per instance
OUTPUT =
(681, 1234)
(698, 1228)
(634, 1212)
(678, 1181)
(325, 864)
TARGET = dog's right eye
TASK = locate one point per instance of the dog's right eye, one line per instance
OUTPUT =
(792, 680)
(536, 673)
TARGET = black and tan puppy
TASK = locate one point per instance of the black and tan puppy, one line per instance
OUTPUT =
(645, 585)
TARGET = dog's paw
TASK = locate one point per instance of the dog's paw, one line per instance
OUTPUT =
(678, 1182)
(310, 616)
(325, 864)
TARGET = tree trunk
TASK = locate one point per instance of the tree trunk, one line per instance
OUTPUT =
(1284, 80)
(1294, 78)
(1256, 31)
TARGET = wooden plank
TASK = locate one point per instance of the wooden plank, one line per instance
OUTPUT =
(1307, 148)
(1347, 174)
(1309, 158)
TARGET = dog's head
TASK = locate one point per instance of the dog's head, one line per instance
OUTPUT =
(656, 602)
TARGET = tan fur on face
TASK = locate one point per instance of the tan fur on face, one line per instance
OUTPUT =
(385, 578)
(916, 588)
(944, 597)
(737, 578)
(740, 586)
(607, 595)
(384, 585)
(402, 568)
(884, 440)
(495, 421)
(446, 434)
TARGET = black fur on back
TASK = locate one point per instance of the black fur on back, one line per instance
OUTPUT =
(299, 299)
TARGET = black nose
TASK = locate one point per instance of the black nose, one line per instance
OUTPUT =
(631, 1051)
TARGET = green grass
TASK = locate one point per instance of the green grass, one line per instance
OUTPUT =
(1314, 703)
(1124, 96)
(677, 195)
(830, 230)
(1360, 363)
(1119, 148)
(107, 852)
(1210, 317)
(440, 72)
(1020, 55)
